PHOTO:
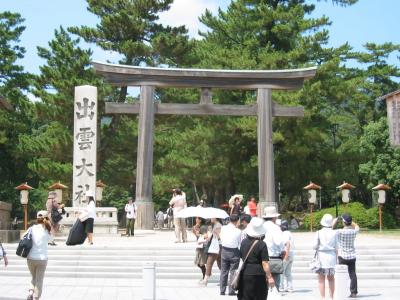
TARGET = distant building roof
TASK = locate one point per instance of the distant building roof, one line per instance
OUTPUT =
(384, 97)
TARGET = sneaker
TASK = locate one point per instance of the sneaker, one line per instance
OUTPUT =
(222, 293)
(290, 290)
(52, 243)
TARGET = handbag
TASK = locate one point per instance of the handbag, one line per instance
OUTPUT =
(55, 215)
(273, 294)
(25, 244)
(276, 265)
(315, 263)
(238, 273)
(207, 245)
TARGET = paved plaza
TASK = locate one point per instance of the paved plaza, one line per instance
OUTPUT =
(59, 288)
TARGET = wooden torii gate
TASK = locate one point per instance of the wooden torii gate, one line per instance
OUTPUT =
(150, 78)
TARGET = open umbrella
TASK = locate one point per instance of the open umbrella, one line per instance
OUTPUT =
(205, 213)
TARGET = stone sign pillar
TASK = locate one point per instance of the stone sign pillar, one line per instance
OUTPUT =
(85, 143)
(144, 167)
(266, 176)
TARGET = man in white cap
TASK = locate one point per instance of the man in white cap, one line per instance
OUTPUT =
(274, 241)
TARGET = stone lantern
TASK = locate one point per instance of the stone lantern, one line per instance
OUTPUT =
(99, 191)
(58, 188)
(381, 188)
(312, 199)
(24, 189)
(345, 189)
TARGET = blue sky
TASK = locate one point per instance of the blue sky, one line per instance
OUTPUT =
(368, 20)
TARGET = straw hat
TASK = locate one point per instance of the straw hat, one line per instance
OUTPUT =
(255, 228)
(42, 214)
(327, 220)
(270, 212)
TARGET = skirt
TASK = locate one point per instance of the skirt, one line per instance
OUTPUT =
(252, 287)
(326, 271)
(89, 225)
(201, 257)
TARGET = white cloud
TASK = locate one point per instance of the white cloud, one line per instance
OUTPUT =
(187, 12)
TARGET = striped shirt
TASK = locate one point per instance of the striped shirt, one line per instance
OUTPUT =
(346, 237)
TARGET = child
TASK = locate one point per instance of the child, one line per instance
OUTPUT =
(201, 255)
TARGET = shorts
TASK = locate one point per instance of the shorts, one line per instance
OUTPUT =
(89, 225)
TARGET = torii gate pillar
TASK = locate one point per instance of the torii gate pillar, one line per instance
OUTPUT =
(144, 167)
(266, 177)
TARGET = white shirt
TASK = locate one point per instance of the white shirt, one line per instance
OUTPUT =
(179, 202)
(40, 239)
(230, 236)
(130, 211)
(91, 209)
(273, 239)
(287, 237)
(326, 242)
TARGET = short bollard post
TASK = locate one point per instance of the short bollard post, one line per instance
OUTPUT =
(149, 280)
(341, 282)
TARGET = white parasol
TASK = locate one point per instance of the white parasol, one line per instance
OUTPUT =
(205, 213)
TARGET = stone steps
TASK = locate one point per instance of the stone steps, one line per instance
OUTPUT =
(175, 261)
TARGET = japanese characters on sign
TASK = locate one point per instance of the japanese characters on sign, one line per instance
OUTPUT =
(85, 143)
(393, 113)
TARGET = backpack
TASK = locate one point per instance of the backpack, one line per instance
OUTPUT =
(170, 212)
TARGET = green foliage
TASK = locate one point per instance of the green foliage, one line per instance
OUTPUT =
(365, 218)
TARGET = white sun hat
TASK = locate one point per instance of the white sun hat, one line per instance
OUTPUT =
(42, 214)
(270, 212)
(255, 228)
(327, 220)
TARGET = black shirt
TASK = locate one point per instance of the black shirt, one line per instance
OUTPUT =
(259, 254)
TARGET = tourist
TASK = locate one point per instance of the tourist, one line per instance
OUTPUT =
(213, 251)
(286, 277)
(236, 208)
(294, 224)
(252, 206)
(326, 245)
(256, 276)
(91, 210)
(244, 221)
(196, 227)
(160, 219)
(170, 217)
(3, 255)
(178, 202)
(37, 257)
(130, 209)
(201, 255)
(230, 254)
(53, 205)
(347, 251)
(274, 241)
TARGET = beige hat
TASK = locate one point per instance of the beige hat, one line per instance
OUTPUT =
(42, 214)
(270, 212)
(327, 220)
(255, 228)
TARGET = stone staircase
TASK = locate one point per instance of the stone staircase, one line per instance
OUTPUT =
(175, 261)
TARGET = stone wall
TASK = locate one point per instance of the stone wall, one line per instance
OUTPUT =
(5, 210)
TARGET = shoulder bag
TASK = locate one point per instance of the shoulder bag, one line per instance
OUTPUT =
(25, 244)
(207, 245)
(275, 265)
(55, 215)
(315, 263)
(238, 273)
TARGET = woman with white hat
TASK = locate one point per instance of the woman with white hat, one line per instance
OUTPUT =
(37, 257)
(326, 245)
(256, 276)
